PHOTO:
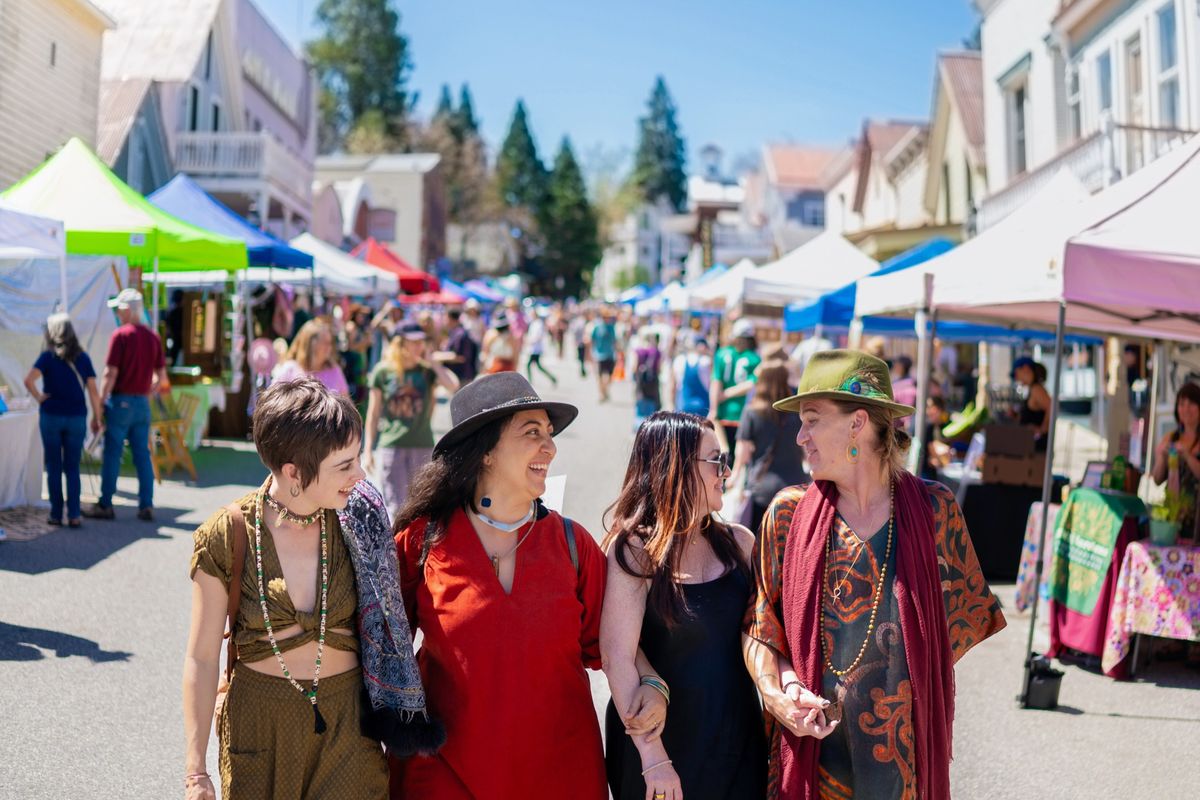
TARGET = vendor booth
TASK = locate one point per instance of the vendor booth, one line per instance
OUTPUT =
(412, 280)
(818, 266)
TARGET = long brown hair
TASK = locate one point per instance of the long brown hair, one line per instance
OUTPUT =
(304, 346)
(661, 500)
(770, 387)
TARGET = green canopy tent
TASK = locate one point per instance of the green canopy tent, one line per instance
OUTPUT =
(105, 216)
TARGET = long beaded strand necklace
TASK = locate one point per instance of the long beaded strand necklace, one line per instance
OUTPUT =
(318, 720)
(834, 710)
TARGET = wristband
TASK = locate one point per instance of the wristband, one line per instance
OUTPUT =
(659, 685)
(799, 683)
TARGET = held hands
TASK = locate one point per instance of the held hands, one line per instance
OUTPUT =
(800, 711)
(647, 714)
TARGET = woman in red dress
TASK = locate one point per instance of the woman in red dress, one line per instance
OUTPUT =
(508, 595)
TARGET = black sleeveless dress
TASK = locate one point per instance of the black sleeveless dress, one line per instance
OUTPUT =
(714, 735)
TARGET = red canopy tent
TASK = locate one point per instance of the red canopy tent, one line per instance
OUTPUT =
(412, 280)
(443, 298)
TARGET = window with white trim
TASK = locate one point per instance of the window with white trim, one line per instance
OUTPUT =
(1074, 104)
(1168, 67)
(1104, 84)
(1016, 101)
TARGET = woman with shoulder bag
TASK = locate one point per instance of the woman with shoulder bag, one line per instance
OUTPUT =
(67, 376)
(298, 568)
(508, 596)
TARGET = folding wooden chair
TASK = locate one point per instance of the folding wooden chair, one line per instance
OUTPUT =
(168, 436)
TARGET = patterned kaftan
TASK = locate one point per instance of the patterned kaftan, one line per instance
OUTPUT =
(870, 754)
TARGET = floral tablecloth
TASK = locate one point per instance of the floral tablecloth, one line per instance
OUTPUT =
(1027, 573)
(1158, 594)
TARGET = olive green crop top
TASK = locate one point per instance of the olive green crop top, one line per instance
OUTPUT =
(213, 554)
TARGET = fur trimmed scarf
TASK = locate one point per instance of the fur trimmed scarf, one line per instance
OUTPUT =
(395, 712)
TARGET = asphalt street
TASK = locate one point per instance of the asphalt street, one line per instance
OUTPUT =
(93, 624)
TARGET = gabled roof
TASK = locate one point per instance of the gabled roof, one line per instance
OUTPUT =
(120, 102)
(962, 74)
(887, 140)
(158, 39)
(842, 163)
(387, 162)
(793, 166)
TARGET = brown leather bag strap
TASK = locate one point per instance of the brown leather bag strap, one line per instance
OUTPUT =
(235, 581)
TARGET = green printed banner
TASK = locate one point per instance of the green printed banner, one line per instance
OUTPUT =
(1084, 537)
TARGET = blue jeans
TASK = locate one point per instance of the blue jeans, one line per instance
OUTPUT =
(127, 418)
(62, 444)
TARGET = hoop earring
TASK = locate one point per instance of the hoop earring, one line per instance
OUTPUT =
(294, 491)
(852, 451)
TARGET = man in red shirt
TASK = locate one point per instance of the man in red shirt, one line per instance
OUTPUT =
(133, 372)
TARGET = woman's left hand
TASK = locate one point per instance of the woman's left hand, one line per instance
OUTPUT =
(647, 715)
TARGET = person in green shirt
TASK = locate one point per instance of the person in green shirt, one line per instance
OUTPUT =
(733, 371)
(398, 435)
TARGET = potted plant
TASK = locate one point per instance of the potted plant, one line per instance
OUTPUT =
(1165, 517)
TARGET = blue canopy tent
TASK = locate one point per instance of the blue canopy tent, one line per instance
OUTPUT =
(184, 198)
(834, 311)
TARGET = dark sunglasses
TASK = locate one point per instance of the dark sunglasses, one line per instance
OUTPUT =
(721, 462)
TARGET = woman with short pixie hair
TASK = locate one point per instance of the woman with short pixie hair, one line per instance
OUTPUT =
(296, 566)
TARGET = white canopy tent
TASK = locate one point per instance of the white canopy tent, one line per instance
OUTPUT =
(673, 297)
(725, 291)
(822, 264)
(25, 236)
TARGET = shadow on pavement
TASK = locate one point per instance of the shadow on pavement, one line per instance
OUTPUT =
(83, 548)
(18, 643)
(222, 464)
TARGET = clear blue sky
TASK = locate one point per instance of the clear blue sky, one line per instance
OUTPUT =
(741, 73)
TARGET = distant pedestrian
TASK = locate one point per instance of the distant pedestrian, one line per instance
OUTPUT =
(399, 437)
(647, 382)
(68, 381)
(313, 353)
(733, 379)
(500, 346)
(602, 340)
(535, 342)
(464, 347)
(691, 376)
(133, 372)
(578, 328)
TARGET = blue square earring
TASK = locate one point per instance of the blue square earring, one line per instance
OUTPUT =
(485, 501)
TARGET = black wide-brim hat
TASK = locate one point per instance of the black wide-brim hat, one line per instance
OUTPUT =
(496, 396)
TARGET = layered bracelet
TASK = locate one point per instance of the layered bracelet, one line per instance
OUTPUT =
(655, 766)
(195, 776)
(659, 685)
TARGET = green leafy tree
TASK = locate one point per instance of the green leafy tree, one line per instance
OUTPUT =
(659, 165)
(569, 228)
(362, 63)
(468, 123)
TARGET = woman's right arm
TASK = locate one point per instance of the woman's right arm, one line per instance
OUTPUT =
(371, 427)
(1160, 467)
(31, 384)
(200, 672)
(97, 405)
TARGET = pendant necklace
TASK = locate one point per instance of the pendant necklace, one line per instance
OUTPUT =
(286, 515)
(507, 528)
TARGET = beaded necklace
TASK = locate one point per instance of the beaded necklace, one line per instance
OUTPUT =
(318, 720)
(286, 515)
(841, 673)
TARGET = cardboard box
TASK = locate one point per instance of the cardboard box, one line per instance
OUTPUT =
(1008, 440)
(1014, 470)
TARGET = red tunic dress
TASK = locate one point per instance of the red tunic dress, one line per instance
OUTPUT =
(505, 672)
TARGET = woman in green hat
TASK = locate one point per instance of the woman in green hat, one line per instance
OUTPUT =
(868, 592)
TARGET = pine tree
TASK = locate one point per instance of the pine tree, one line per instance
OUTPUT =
(658, 169)
(572, 247)
(445, 106)
(520, 175)
(468, 124)
(362, 64)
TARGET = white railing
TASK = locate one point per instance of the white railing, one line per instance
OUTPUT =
(1101, 159)
(245, 155)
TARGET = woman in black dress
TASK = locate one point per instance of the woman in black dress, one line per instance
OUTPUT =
(679, 582)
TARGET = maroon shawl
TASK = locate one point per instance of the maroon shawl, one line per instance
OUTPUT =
(922, 624)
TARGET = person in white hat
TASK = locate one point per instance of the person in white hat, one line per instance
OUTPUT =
(733, 378)
(133, 371)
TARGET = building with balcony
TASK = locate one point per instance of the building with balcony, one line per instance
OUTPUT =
(1098, 87)
(956, 177)
(237, 106)
(49, 79)
(406, 195)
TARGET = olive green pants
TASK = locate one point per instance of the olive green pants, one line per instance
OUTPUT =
(270, 750)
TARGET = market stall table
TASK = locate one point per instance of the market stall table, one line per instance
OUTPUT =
(996, 515)
(21, 470)
(1093, 530)
(1158, 594)
(1027, 572)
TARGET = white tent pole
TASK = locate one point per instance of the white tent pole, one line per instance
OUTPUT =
(1047, 485)
(927, 322)
(1157, 368)
(62, 283)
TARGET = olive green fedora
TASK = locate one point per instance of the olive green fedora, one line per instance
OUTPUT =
(847, 375)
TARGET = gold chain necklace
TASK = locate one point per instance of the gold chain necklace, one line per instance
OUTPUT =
(878, 589)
